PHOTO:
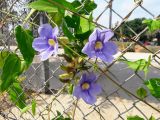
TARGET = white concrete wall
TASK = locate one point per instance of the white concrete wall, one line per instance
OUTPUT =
(119, 69)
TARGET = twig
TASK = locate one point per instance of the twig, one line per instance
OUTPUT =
(50, 105)
(74, 111)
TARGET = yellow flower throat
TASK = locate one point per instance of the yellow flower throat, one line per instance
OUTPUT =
(98, 45)
(85, 86)
(51, 42)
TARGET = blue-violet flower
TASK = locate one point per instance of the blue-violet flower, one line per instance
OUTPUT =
(46, 43)
(87, 88)
(100, 46)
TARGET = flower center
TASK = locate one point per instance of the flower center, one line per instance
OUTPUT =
(98, 45)
(51, 42)
(85, 86)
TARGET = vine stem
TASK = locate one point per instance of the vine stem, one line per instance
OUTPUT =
(50, 105)
(28, 16)
(74, 111)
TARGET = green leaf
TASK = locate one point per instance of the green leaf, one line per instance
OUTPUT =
(24, 40)
(154, 86)
(34, 107)
(153, 25)
(85, 25)
(88, 7)
(139, 65)
(3, 56)
(152, 118)
(51, 5)
(141, 92)
(83, 36)
(67, 32)
(85, 29)
(134, 118)
(60, 117)
(43, 5)
(57, 17)
(17, 95)
(70, 88)
(11, 69)
(25, 109)
(67, 118)
(61, 4)
(76, 3)
(73, 22)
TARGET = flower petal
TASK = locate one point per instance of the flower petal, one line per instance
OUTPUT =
(77, 91)
(95, 89)
(93, 36)
(56, 49)
(40, 44)
(45, 30)
(110, 48)
(89, 99)
(46, 54)
(91, 77)
(55, 31)
(89, 50)
(83, 78)
(102, 34)
(108, 35)
(104, 57)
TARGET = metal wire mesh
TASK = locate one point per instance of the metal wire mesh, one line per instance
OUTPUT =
(118, 99)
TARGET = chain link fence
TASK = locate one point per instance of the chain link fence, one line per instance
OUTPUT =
(42, 83)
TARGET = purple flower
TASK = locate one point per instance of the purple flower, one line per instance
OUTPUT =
(87, 89)
(100, 46)
(46, 43)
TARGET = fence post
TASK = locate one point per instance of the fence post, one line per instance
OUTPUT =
(110, 14)
(43, 20)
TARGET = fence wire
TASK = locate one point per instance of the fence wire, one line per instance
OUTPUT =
(41, 83)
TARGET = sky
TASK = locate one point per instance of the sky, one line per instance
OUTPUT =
(123, 7)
